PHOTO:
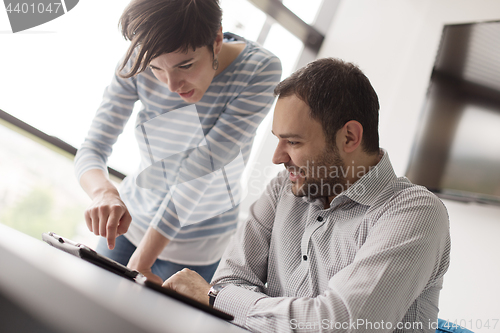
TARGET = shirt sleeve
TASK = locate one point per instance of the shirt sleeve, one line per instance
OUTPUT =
(108, 123)
(401, 257)
(207, 183)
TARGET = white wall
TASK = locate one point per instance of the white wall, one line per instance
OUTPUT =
(395, 42)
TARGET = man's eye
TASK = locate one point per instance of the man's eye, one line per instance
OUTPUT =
(185, 66)
(292, 143)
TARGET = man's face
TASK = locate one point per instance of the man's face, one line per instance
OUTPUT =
(314, 167)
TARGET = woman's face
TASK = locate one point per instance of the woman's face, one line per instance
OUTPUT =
(188, 74)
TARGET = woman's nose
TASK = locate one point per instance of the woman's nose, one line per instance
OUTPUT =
(172, 80)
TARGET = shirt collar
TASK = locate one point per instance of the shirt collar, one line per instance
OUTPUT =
(366, 189)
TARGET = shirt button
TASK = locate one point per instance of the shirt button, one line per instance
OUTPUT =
(320, 218)
(304, 257)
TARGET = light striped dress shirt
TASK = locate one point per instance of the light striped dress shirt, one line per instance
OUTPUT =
(372, 262)
(172, 136)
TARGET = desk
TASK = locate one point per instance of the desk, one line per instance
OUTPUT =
(58, 292)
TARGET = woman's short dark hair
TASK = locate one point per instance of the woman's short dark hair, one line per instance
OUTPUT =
(156, 27)
(336, 92)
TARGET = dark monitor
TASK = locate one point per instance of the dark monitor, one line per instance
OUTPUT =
(456, 152)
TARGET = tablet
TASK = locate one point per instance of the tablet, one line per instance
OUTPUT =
(88, 254)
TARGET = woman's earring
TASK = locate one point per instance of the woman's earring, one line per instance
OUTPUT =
(215, 64)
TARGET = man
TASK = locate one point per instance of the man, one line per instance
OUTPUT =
(337, 242)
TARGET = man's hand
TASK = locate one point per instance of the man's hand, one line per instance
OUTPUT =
(190, 284)
(108, 216)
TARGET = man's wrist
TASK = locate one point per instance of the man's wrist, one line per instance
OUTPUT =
(214, 291)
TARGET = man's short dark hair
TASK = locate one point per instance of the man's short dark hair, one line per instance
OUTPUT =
(336, 92)
(156, 27)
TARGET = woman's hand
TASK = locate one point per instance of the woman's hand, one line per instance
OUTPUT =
(135, 263)
(145, 255)
(107, 215)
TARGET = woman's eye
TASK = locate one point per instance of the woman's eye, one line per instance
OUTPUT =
(185, 66)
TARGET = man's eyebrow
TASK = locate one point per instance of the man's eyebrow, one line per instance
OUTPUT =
(288, 135)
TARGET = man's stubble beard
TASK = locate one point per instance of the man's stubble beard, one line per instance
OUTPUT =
(321, 185)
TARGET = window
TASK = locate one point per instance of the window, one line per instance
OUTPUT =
(40, 193)
(242, 18)
(306, 10)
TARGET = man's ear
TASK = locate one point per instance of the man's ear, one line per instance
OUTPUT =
(351, 136)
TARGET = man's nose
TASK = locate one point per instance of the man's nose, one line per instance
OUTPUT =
(280, 154)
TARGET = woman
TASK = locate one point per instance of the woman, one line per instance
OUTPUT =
(178, 57)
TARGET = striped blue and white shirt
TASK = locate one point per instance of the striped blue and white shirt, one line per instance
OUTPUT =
(192, 156)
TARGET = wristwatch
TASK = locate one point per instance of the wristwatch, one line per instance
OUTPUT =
(214, 290)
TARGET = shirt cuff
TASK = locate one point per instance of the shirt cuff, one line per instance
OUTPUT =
(237, 301)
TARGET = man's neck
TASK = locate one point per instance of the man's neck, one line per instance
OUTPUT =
(354, 170)
(362, 166)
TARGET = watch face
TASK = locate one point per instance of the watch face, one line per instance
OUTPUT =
(218, 287)
(215, 289)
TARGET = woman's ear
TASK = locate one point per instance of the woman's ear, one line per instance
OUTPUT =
(218, 42)
(352, 135)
